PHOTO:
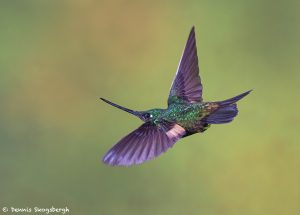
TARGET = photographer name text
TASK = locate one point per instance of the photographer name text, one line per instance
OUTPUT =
(51, 210)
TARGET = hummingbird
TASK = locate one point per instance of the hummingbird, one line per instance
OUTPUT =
(187, 114)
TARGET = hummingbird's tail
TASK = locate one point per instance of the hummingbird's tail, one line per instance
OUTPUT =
(234, 99)
(226, 110)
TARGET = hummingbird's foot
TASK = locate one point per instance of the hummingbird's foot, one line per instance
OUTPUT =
(205, 127)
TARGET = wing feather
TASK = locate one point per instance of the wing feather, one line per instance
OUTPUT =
(145, 143)
(187, 83)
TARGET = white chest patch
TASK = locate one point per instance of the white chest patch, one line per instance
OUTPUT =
(175, 132)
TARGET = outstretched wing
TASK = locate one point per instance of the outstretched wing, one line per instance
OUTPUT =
(144, 143)
(187, 83)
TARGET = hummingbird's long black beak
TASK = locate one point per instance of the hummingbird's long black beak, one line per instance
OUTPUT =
(136, 113)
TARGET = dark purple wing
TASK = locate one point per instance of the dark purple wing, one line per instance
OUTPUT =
(187, 83)
(144, 143)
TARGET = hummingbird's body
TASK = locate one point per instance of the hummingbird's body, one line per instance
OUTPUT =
(186, 114)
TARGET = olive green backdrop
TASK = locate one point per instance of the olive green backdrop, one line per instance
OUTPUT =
(58, 57)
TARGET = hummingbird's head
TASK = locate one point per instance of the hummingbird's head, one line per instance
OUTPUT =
(150, 115)
(146, 116)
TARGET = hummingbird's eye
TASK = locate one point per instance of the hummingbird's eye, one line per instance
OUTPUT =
(147, 116)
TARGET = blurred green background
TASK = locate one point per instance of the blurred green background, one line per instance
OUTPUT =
(58, 57)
